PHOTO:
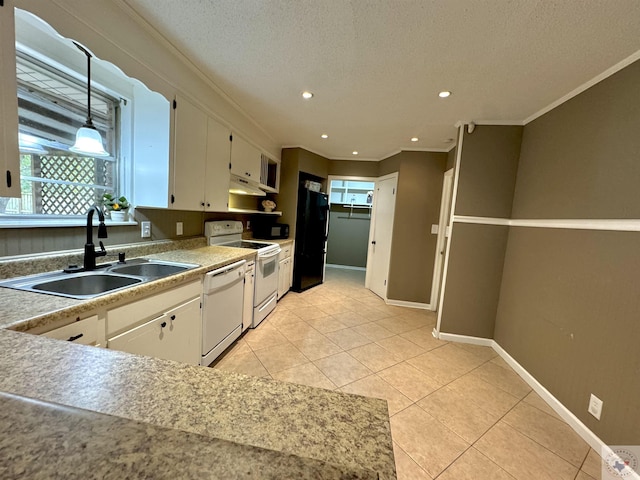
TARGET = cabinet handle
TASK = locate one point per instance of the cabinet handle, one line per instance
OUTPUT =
(202, 204)
(75, 337)
(163, 324)
(173, 317)
(247, 174)
(208, 204)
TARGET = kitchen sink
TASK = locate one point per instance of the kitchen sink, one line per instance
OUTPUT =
(105, 279)
(86, 285)
(149, 269)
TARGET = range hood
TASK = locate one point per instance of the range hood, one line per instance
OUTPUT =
(240, 186)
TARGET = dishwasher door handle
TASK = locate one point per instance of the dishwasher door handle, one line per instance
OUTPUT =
(269, 255)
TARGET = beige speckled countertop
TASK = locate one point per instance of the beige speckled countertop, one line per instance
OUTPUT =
(227, 425)
(342, 429)
(43, 309)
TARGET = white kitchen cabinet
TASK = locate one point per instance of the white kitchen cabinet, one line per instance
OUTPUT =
(246, 160)
(9, 156)
(285, 267)
(89, 331)
(189, 157)
(202, 152)
(216, 192)
(171, 336)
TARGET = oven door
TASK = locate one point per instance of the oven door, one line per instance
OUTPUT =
(266, 275)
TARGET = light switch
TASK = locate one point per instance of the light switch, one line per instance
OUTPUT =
(434, 229)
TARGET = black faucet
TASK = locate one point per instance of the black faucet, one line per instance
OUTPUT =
(90, 253)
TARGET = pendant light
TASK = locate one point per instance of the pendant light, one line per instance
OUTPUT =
(88, 139)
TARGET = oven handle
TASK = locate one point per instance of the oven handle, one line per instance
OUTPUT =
(262, 256)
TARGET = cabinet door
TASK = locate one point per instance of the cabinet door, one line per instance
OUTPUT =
(9, 156)
(217, 174)
(283, 277)
(189, 156)
(245, 159)
(172, 336)
(247, 308)
(84, 332)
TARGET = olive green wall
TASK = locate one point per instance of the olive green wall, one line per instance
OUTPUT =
(349, 168)
(581, 159)
(348, 240)
(486, 182)
(474, 276)
(413, 246)
(568, 309)
(488, 170)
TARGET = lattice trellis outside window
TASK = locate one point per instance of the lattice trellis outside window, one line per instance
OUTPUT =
(51, 108)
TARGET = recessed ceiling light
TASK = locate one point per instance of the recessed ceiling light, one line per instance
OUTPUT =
(414, 139)
(307, 95)
(355, 152)
(324, 135)
(444, 94)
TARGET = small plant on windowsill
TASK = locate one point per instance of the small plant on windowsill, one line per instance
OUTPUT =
(116, 207)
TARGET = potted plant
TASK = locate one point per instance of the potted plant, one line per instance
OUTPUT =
(117, 207)
(268, 205)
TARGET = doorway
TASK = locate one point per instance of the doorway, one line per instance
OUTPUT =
(441, 242)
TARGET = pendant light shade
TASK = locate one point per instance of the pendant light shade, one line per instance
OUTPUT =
(89, 142)
(88, 139)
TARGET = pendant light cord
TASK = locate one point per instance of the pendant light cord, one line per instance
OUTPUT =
(89, 122)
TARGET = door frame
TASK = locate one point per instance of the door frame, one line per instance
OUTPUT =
(372, 229)
(445, 205)
(356, 179)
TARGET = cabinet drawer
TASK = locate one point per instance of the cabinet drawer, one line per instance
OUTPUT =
(84, 332)
(174, 335)
(286, 252)
(127, 316)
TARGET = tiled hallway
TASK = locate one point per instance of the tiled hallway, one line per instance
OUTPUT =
(458, 412)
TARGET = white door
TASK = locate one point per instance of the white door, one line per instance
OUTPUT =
(380, 235)
(441, 243)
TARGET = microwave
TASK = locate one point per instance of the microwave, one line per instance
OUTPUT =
(275, 230)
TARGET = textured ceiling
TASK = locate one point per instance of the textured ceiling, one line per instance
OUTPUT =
(376, 66)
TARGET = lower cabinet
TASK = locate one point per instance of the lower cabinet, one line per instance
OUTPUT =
(89, 331)
(172, 335)
(284, 271)
(167, 325)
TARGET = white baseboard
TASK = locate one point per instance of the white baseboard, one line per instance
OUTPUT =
(345, 267)
(403, 303)
(452, 337)
(574, 422)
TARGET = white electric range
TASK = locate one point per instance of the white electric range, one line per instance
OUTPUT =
(229, 234)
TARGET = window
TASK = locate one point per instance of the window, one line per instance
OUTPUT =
(52, 105)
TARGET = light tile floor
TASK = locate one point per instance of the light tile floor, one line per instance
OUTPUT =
(458, 411)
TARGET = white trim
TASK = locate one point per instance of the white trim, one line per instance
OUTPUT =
(453, 337)
(404, 303)
(615, 224)
(454, 197)
(345, 267)
(481, 220)
(573, 421)
(451, 147)
(585, 86)
(505, 123)
(441, 239)
(357, 158)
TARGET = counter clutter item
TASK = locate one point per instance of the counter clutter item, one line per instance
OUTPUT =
(309, 423)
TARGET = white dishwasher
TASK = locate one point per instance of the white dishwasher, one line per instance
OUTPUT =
(223, 298)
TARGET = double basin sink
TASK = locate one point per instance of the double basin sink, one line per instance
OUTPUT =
(103, 280)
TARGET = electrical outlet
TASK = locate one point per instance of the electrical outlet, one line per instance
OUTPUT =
(178, 228)
(595, 406)
(145, 228)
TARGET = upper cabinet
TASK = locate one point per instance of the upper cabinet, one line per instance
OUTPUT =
(9, 155)
(216, 192)
(189, 156)
(245, 159)
(269, 174)
(201, 160)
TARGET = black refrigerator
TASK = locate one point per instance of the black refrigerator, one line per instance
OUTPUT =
(311, 239)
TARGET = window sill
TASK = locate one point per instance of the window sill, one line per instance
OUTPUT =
(33, 223)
